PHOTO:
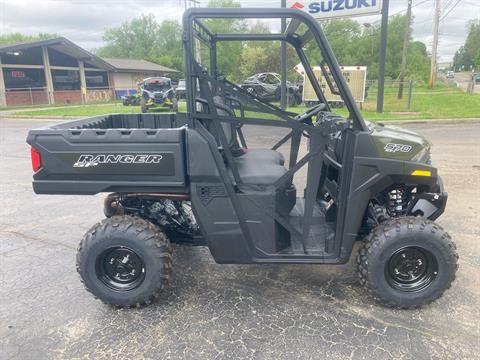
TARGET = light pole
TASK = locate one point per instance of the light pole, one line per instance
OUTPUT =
(383, 54)
(283, 63)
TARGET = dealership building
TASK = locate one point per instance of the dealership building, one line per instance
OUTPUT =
(57, 71)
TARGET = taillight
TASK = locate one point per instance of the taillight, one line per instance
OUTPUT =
(36, 159)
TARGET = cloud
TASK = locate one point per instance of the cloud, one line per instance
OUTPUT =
(84, 21)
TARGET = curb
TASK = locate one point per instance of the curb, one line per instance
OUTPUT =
(428, 121)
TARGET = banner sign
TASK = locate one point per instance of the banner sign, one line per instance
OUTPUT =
(325, 9)
(356, 77)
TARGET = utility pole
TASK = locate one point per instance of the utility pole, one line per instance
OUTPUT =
(283, 63)
(433, 64)
(406, 38)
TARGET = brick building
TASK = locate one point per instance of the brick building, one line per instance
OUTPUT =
(57, 71)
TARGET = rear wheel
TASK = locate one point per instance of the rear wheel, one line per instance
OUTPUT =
(125, 261)
(407, 262)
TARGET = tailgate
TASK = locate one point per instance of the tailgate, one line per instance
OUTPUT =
(77, 158)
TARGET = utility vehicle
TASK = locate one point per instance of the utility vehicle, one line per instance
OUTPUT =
(157, 91)
(190, 178)
(132, 99)
(266, 86)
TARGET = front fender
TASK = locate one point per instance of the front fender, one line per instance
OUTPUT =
(431, 204)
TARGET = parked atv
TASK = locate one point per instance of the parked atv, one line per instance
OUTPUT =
(131, 100)
(157, 92)
(267, 86)
(190, 178)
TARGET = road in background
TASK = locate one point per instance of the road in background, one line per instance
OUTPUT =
(222, 311)
(463, 79)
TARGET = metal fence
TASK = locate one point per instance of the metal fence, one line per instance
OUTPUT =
(32, 96)
(27, 96)
(398, 96)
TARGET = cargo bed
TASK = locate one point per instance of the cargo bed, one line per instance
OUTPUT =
(111, 153)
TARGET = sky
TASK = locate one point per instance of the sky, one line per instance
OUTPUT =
(84, 21)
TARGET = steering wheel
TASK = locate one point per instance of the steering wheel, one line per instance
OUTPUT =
(310, 112)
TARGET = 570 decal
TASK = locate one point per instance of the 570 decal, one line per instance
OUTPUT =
(391, 147)
(89, 160)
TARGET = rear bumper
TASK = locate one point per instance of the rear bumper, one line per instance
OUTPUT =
(430, 205)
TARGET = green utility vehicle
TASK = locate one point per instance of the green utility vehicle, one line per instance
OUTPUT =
(191, 178)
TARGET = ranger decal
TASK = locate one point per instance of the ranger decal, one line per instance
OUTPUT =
(88, 160)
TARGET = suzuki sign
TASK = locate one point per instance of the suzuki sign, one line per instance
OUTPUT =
(324, 9)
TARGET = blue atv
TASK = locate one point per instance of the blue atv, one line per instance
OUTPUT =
(157, 92)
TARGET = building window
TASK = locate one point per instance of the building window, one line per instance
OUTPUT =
(24, 79)
(32, 56)
(58, 58)
(96, 79)
(66, 80)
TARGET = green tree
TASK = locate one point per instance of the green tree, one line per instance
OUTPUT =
(169, 44)
(353, 45)
(144, 38)
(228, 53)
(18, 37)
(134, 39)
(468, 55)
(418, 66)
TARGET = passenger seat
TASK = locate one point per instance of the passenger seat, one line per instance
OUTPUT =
(258, 167)
(264, 156)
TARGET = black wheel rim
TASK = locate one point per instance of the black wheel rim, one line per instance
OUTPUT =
(120, 268)
(411, 269)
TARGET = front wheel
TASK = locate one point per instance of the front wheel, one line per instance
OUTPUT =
(407, 262)
(125, 261)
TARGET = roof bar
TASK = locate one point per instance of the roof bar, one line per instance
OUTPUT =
(250, 37)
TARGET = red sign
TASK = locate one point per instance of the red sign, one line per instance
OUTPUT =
(18, 74)
(297, 5)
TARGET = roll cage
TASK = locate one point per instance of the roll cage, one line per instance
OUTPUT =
(195, 28)
(204, 85)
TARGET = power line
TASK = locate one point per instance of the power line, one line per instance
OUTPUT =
(401, 11)
(446, 5)
(451, 9)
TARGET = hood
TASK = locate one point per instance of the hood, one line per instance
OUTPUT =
(395, 142)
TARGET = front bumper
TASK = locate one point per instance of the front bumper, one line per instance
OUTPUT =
(161, 101)
(430, 205)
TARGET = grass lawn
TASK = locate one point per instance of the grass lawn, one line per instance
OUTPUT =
(442, 102)
(80, 110)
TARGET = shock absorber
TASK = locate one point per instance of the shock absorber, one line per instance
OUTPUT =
(397, 202)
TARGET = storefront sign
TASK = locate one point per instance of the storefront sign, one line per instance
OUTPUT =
(324, 9)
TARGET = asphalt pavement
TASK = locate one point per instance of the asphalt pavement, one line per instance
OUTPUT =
(224, 311)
